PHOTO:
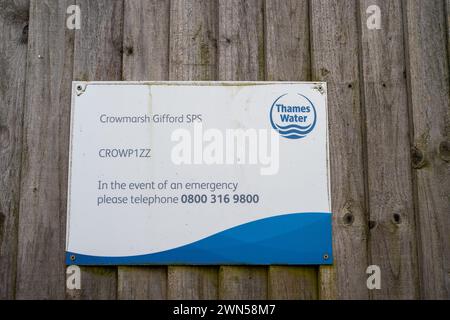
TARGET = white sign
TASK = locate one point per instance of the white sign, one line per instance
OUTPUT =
(199, 173)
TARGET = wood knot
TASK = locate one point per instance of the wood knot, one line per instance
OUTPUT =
(129, 50)
(348, 219)
(24, 35)
(444, 150)
(324, 72)
(372, 224)
(417, 158)
(4, 137)
(396, 218)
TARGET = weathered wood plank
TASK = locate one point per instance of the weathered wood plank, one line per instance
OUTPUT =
(327, 283)
(193, 31)
(145, 57)
(391, 209)
(288, 58)
(142, 283)
(98, 56)
(428, 72)
(240, 58)
(287, 40)
(192, 283)
(335, 60)
(193, 40)
(146, 40)
(13, 62)
(42, 215)
(289, 283)
(97, 283)
(242, 282)
(241, 40)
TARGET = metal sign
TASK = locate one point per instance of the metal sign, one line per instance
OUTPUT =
(199, 173)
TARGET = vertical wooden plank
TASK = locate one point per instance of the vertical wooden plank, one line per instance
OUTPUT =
(40, 260)
(242, 283)
(142, 283)
(240, 58)
(390, 193)
(288, 59)
(327, 283)
(192, 57)
(335, 60)
(193, 40)
(13, 62)
(98, 56)
(428, 72)
(241, 40)
(145, 57)
(287, 40)
(448, 27)
(289, 283)
(146, 40)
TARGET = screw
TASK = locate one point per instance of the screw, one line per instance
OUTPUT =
(72, 257)
(326, 256)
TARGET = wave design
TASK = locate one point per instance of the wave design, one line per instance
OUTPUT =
(296, 239)
(293, 126)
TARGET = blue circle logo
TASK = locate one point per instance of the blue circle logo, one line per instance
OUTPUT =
(293, 116)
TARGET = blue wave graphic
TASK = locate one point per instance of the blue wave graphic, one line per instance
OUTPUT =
(288, 132)
(293, 126)
(295, 239)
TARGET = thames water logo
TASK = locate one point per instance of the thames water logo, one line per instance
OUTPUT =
(293, 116)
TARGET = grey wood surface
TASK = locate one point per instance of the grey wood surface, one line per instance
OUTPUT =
(98, 56)
(428, 72)
(335, 52)
(193, 50)
(389, 115)
(13, 62)
(389, 177)
(145, 57)
(287, 50)
(240, 57)
(42, 212)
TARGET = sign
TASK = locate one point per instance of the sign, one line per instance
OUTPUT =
(198, 173)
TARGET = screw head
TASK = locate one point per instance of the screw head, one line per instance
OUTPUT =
(326, 256)
(72, 257)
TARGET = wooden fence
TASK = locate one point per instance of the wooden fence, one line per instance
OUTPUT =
(389, 133)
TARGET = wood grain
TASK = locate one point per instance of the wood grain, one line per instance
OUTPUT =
(390, 205)
(193, 46)
(40, 260)
(142, 283)
(428, 75)
(287, 48)
(391, 209)
(287, 43)
(193, 40)
(293, 283)
(13, 62)
(240, 58)
(145, 57)
(335, 60)
(242, 283)
(98, 56)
